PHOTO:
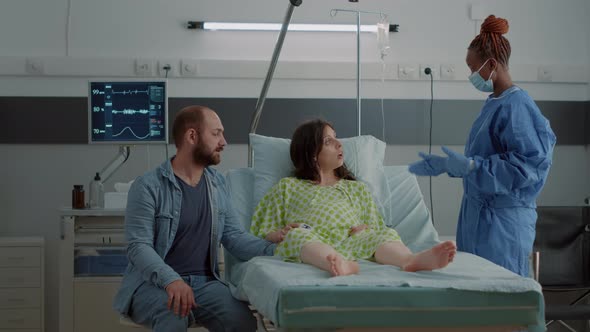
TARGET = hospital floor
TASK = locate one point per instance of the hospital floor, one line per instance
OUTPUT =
(579, 326)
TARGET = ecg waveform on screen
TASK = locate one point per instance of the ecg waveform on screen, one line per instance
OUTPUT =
(129, 92)
(135, 121)
(127, 111)
(132, 133)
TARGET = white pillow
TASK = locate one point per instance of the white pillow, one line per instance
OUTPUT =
(363, 155)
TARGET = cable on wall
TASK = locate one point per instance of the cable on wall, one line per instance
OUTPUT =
(428, 72)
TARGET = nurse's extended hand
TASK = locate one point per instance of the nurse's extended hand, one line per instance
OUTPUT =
(430, 165)
(457, 164)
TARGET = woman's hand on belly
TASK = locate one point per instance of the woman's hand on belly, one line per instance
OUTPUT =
(279, 236)
(357, 229)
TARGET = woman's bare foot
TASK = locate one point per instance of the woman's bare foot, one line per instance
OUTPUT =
(436, 257)
(341, 267)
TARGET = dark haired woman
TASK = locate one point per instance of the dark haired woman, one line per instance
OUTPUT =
(325, 218)
(507, 159)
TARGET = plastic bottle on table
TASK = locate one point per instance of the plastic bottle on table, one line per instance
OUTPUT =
(96, 200)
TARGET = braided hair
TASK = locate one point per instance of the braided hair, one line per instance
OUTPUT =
(490, 43)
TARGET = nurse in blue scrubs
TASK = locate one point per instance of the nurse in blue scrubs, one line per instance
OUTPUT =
(506, 161)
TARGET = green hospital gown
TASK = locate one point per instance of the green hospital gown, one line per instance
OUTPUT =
(330, 210)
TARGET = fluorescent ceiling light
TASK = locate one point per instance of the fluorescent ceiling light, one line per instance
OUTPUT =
(277, 26)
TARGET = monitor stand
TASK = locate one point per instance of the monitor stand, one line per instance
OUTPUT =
(116, 163)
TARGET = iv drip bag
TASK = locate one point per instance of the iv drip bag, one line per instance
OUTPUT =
(383, 37)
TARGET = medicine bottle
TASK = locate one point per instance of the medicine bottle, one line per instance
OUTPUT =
(78, 197)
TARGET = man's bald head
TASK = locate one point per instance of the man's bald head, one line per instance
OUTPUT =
(190, 117)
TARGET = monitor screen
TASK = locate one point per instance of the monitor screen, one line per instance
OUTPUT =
(127, 112)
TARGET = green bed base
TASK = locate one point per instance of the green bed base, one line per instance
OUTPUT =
(338, 306)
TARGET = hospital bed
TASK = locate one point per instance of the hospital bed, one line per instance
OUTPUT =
(471, 294)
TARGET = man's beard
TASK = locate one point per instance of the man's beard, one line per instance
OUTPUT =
(202, 157)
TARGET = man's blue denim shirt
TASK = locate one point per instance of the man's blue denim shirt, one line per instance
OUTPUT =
(151, 221)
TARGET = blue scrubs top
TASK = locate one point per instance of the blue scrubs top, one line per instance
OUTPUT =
(511, 144)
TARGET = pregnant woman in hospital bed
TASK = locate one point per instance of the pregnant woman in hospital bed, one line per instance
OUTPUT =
(325, 218)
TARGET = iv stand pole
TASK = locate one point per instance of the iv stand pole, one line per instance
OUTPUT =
(275, 57)
(333, 13)
(269, 74)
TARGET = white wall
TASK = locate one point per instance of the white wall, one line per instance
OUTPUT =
(152, 28)
(106, 36)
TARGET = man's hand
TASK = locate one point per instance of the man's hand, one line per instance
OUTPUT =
(357, 229)
(279, 236)
(180, 298)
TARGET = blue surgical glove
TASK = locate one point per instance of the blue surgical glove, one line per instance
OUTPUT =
(457, 164)
(430, 165)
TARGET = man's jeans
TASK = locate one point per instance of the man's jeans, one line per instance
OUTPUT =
(216, 309)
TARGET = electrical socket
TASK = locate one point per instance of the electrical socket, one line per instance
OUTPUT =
(407, 72)
(34, 66)
(144, 67)
(433, 69)
(447, 72)
(544, 74)
(189, 67)
(167, 64)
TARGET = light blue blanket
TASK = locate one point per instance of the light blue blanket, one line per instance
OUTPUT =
(260, 280)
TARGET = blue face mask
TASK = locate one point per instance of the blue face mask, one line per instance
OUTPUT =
(479, 83)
